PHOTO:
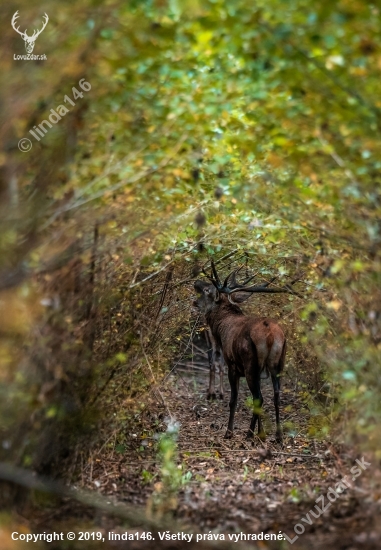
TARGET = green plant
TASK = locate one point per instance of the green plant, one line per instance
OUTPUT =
(147, 477)
(171, 474)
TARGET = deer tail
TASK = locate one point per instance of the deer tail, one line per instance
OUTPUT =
(282, 360)
(263, 369)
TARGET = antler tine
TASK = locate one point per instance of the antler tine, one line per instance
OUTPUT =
(234, 283)
(296, 278)
(243, 287)
(234, 280)
(206, 275)
(214, 271)
(250, 278)
(269, 282)
(209, 277)
(231, 274)
(15, 16)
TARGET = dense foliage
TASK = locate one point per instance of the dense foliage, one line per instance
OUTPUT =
(210, 127)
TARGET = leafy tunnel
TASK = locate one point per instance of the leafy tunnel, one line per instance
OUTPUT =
(170, 134)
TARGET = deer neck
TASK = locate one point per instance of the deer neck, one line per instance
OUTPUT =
(221, 317)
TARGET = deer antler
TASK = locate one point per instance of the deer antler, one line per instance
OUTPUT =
(234, 282)
(24, 34)
(44, 23)
(17, 29)
(286, 289)
(233, 286)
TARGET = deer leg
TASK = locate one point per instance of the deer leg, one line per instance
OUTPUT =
(234, 385)
(212, 380)
(221, 368)
(276, 385)
(212, 368)
(255, 388)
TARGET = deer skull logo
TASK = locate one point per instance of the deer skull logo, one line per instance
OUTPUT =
(29, 40)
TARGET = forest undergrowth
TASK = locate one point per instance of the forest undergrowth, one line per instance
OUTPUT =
(158, 443)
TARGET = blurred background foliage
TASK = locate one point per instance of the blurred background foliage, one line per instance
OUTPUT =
(210, 127)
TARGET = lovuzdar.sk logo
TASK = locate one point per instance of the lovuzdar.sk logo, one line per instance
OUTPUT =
(29, 40)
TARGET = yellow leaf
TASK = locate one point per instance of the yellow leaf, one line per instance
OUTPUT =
(335, 305)
(274, 160)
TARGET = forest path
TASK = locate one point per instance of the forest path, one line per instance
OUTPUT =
(252, 487)
(239, 486)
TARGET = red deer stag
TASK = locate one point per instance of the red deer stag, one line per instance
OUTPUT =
(250, 345)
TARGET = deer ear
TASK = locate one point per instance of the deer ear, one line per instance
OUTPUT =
(216, 295)
(200, 286)
(239, 297)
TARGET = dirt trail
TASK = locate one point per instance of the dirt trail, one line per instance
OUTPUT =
(237, 486)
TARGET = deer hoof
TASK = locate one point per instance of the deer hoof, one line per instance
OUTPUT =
(221, 395)
(250, 435)
(211, 397)
(228, 435)
(279, 437)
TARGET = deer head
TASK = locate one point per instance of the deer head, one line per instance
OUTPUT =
(29, 40)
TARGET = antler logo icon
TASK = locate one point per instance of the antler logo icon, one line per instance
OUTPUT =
(29, 40)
